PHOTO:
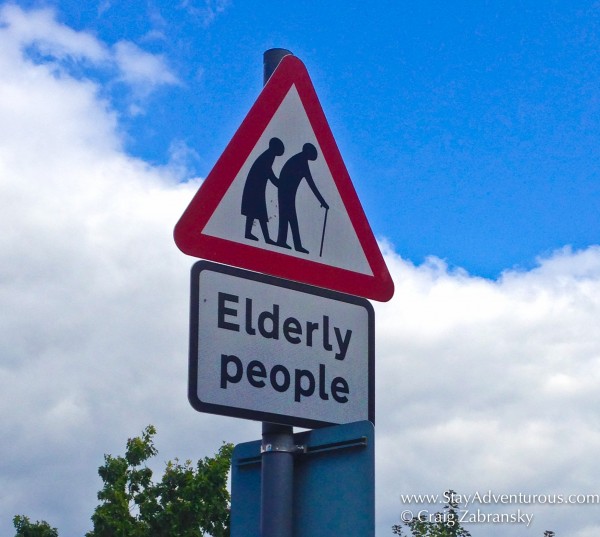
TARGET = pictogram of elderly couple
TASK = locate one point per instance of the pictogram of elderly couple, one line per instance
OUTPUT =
(254, 204)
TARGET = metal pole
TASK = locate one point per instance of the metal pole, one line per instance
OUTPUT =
(277, 481)
(277, 469)
(271, 59)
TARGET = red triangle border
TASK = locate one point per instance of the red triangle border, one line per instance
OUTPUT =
(188, 235)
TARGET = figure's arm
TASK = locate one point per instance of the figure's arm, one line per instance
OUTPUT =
(315, 190)
(273, 178)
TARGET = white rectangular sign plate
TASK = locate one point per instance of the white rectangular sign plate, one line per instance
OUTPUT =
(268, 349)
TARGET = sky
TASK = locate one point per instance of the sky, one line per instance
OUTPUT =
(470, 131)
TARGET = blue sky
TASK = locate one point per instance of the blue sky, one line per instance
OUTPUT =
(469, 128)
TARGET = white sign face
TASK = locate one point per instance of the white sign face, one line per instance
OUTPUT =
(273, 350)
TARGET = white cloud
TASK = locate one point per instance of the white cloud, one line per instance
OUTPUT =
(38, 36)
(86, 246)
(141, 70)
(491, 385)
(39, 28)
(480, 384)
(208, 12)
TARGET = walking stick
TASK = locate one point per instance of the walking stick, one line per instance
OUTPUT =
(323, 234)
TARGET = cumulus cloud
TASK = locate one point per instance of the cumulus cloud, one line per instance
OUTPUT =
(142, 70)
(491, 384)
(84, 226)
(40, 29)
(480, 384)
(43, 40)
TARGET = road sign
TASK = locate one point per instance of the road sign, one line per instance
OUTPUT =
(274, 350)
(280, 201)
(334, 484)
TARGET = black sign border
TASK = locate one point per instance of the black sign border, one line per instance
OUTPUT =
(255, 415)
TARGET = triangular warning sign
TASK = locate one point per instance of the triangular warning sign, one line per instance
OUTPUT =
(280, 201)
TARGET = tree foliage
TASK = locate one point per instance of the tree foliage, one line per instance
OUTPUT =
(26, 528)
(188, 501)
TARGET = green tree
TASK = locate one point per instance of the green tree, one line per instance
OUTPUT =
(441, 524)
(25, 528)
(188, 501)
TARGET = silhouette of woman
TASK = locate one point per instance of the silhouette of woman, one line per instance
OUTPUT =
(254, 204)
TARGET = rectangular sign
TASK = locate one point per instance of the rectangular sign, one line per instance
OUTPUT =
(334, 484)
(267, 349)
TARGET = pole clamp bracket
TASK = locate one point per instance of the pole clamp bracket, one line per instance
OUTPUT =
(275, 448)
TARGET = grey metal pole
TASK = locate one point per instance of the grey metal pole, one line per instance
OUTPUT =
(277, 468)
(277, 481)
(271, 59)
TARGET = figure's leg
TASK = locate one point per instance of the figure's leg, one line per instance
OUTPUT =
(249, 223)
(283, 229)
(265, 230)
(296, 234)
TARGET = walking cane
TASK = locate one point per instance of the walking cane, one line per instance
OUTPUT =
(323, 234)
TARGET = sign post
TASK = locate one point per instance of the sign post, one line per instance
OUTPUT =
(290, 340)
(277, 469)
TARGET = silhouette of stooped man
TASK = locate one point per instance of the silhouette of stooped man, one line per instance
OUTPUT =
(292, 173)
(254, 203)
